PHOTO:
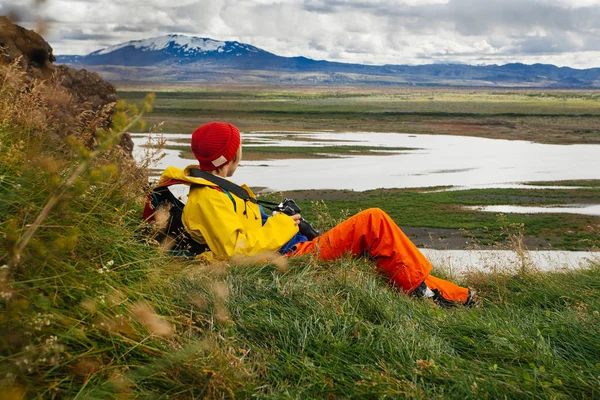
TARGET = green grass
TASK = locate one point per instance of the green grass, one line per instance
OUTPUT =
(584, 183)
(378, 101)
(269, 152)
(90, 307)
(338, 332)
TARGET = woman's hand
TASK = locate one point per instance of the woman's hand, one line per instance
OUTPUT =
(296, 218)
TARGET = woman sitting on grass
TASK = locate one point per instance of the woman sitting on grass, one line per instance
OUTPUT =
(231, 226)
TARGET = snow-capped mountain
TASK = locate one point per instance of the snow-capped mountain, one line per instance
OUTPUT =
(170, 49)
(185, 58)
(189, 46)
(182, 46)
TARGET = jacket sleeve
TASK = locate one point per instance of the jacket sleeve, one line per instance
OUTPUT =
(219, 225)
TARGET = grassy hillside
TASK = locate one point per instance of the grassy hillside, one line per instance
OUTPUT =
(91, 307)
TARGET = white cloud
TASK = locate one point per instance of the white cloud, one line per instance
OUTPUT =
(562, 32)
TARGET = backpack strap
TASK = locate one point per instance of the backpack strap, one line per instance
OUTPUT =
(228, 186)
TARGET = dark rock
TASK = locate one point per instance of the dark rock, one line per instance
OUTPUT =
(86, 90)
(33, 52)
(86, 86)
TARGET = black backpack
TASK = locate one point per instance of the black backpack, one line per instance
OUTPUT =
(183, 244)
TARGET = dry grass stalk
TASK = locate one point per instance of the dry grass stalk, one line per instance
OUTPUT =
(86, 366)
(221, 291)
(118, 325)
(153, 322)
(272, 257)
(216, 268)
(221, 314)
(200, 301)
(161, 218)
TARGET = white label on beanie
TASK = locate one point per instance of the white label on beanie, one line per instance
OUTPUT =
(219, 161)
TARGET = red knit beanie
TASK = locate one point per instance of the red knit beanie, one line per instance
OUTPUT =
(215, 144)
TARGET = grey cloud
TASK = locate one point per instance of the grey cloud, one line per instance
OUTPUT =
(327, 6)
(370, 31)
(479, 18)
(470, 17)
(19, 13)
(130, 28)
(508, 26)
(552, 44)
(181, 28)
(78, 34)
(316, 45)
(319, 6)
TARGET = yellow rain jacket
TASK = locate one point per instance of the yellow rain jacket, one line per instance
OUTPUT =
(226, 223)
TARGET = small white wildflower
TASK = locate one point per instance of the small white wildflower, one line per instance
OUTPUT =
(4, 267)
(51, 340)
(110, 263)
(101, 271)
(40, 321)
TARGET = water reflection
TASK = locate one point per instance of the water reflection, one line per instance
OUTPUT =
(462, 261)
(582, 209)
(435, 160)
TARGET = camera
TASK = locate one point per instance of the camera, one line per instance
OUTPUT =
(289, 207)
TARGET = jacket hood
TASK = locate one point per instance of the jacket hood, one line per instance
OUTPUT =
(183, 175)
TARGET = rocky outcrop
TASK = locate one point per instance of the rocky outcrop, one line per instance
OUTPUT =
(85, 89)
(33, 53)
(85, 86)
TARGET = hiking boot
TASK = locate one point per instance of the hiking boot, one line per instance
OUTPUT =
(422, 292)
(473, 300)
(441, 300)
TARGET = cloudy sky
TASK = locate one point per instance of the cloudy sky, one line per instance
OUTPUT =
(560, 32)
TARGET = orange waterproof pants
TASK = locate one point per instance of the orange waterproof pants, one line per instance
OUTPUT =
(372, 232)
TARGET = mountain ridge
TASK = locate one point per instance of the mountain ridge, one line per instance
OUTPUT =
(188, 58)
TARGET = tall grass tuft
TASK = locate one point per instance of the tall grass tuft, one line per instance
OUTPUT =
(91, 308)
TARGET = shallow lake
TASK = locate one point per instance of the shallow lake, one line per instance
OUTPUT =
(432, 160)
(463, 261)
(583, 209)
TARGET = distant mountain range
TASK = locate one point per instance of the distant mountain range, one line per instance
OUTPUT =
(182, 58)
